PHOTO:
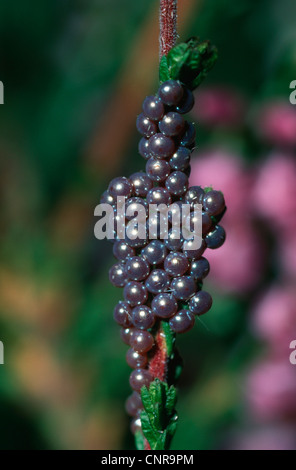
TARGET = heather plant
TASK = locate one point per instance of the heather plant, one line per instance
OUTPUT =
(162, 276)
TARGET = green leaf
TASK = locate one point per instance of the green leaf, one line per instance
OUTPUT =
(172, 426)
(175, 367)
(171, 430)
(188, 62)
(148, 429)
(146, 400)
(207, 189)
(158, 418)
(171, 400)
(177, 58)
(161, 441)
(164, 74)
(155, 391)
(170, 337)
(157, 422)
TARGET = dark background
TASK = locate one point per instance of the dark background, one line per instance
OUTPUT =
(74, 74)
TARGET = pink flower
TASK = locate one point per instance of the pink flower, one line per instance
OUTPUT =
(275, 318)
(277, 123)
(237, 265)
(271, 388)
(274, 193)
(275, 437)
(219, 107)
(224, 171)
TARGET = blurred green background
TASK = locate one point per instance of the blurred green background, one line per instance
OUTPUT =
(74, 74)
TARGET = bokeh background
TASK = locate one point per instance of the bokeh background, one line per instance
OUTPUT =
(75, 73)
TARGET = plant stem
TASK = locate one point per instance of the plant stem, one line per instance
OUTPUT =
(167, 39)
(158, 365)
(168, 26)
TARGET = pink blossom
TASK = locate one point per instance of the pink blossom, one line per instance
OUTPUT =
(277, 123)
(275, 318)
(275, 437)
(271, 388)
(219, 107)
(237, 266)
(274, 193)
(224, 171)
